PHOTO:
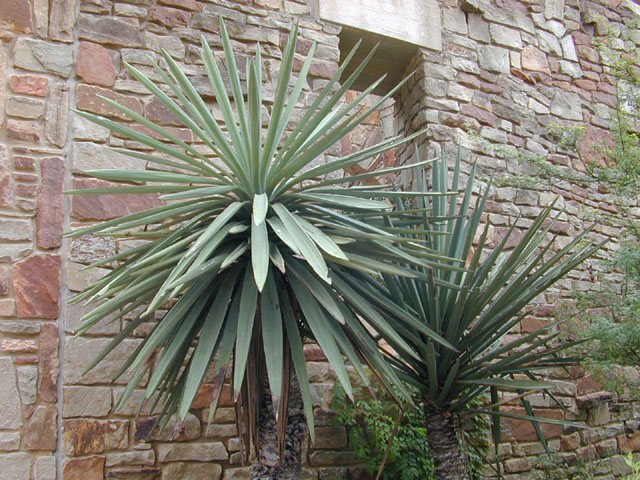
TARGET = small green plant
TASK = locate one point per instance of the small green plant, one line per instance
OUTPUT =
(635, 467)
(371, 424)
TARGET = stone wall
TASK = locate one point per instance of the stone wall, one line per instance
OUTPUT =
(495, 74)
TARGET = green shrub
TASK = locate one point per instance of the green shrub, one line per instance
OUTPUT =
(370, 423)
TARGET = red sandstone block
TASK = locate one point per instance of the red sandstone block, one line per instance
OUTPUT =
(523, 431)
(16, 15)
(24, 163)
(171, 17)
(29, 85)
(105, 207)
(36, 285)
(87, 99)
(186, 4)
(25, 131)
(48, 363)
(50, 211)
(95, 65)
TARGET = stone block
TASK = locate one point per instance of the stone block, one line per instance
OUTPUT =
(19, 327)
(48, 363)
(91, 401)
(455, 20)
(24, 108)
(135, 473)
(243, 473)
(27, 382)
(78, 278)
(91, 468)
(549, 43)
(494, 135)
(104, 206)
(136, 56)
(9, 441)
(40, 56)
(36, 285)
(95, 65)
(29, 85)
(216, 430)
(595, 144)
(73, 319)
(157, 43)
(18, 346)
(40, 431)
(516, 465)
(88, 249)
(23, 131)
(599, 415)
(333, 458)
(16, 15)
(566, 105)
(126, 10)
(15, 466)
(505, 36)
(89, 156)
(192, 471)
(170, 17)
(84, 129)
(192, 5)
(554, 9)
(7, 196)
(572, 69)
(133, 457)
(41, 17)
(50, 212)
(537, 107)
(494, 59)
(569, 49)
(62, 20)
(3, 99)
(512, 17)
(198, 452)
(330, 438)
(523, 431)
(82, 437)
(87, 99)
(534, 60)
(110, 30)
(478, 28)
(15, 230)
(5, 280)
(188, 430)
(156, 111)
(97, 6)
(45, 468)
(79, 352)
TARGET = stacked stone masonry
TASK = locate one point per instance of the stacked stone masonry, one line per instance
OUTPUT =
(497, 77)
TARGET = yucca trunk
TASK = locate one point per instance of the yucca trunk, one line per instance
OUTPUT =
(443, 432)
(268, 465)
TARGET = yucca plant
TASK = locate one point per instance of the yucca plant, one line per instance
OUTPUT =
(473, 310)
(253, 250)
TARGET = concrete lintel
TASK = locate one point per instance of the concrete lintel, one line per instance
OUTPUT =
(414, 21)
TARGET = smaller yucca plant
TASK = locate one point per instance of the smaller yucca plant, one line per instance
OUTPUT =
(474, 309)
(253, 251)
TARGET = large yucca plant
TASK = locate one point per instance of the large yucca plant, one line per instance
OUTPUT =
(473, 310)
(253, 250)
